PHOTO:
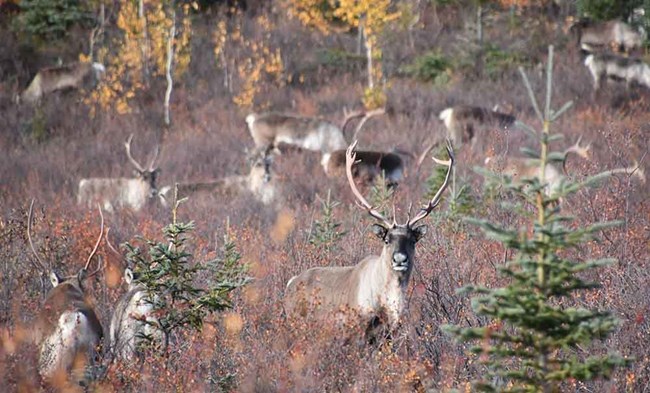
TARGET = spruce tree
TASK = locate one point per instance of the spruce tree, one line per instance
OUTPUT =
(172, 277)
(326, 231)
(536, 324)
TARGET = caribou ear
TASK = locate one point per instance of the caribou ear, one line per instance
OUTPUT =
(83, 273)
(379, 230)
(419, 232)
(54, 279)
(128, 276)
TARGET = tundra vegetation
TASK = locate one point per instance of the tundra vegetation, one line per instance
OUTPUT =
(411, 58)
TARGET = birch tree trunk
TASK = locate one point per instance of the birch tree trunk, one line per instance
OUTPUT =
(145, 42)
(371, 81)
(168, 68)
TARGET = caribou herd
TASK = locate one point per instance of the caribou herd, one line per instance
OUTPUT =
(375, 287)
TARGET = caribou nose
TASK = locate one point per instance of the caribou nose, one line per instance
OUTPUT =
(399, 258)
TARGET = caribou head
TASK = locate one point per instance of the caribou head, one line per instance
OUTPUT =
(399, 239)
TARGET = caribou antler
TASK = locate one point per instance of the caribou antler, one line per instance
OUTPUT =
(350, 156)
(426, 151)
(108, 242)
(99, 239)
(436, 198)
(153, 159)
(582, 151)
(633, 170)
(366, 116)
(348, 116)
(127, 145)
(39, 263)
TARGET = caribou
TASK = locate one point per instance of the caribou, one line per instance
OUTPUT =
(610, 66)
(376, 286)
(370, 163)
(368, 166)
(518, 168)
(259, 182)
(615, 33)
(133, 323)
(133, 193)
(49, 80)
(462, 122)
(271, 129)
(67, 328)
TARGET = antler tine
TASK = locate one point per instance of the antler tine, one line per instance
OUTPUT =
(408, 214)
(99, 267)
(110, 245)
(348, 116)
(366, 116)
(441, 162)
(633, 170)
(424, 154)
(577, 149)
(350, 156)
(39, 263)
(436, 198)
(99, 239)
(154, 158)
(127, 145)
(582, 151)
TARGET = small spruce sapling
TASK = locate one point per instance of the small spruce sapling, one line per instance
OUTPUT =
(171, 275)
(326, 231)
(536, 321)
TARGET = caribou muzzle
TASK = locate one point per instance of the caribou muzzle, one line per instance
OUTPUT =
(400, 261)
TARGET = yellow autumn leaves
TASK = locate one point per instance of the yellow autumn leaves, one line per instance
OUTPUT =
(249, 62)
(246, 63)
(141, 53)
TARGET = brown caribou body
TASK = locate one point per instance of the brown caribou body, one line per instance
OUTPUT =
(271, 129)
(259, 182)
(596, 35)
(463, 122)
(67, 330)
(375, 287)
(613, 67)
(368, 166)
(51, 79)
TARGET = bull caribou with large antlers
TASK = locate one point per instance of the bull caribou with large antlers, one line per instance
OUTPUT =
(68, 330)
(376, 286)
(114, 193)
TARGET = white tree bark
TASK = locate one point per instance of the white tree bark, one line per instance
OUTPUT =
(168, 68)
(371, 81)
(145, 42)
